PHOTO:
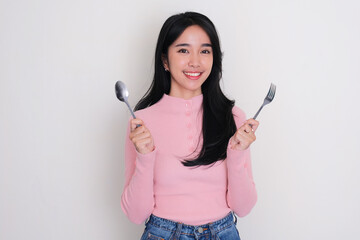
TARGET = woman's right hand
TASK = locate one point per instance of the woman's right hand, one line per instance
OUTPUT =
(141, 137)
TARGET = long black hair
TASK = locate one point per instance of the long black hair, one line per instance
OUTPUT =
(218, 121)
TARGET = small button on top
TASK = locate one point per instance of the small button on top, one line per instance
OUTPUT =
(200, 230)
(187, 113)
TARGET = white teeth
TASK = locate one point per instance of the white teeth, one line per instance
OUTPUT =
(193, 74)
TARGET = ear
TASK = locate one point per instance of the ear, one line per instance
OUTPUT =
(165, 62)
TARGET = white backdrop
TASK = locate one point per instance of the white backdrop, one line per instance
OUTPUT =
(62, 128)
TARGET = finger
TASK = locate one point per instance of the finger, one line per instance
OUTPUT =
(136, 132)
(135, 135)
(244, 144)
(247, 128)
(141, 136)
(144, 144)
(139, 130)
(245, 133)
(253, 123)
(135, 122)
(244, 137)
(234, 139)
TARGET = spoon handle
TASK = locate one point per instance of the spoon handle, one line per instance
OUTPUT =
(131, 111)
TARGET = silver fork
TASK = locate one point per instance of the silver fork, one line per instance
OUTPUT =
(269, 97)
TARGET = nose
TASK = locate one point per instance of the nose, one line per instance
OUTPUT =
(194, 61)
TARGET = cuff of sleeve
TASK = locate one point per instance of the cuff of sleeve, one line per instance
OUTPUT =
(146, 160)
(237, 158)
(146, 155)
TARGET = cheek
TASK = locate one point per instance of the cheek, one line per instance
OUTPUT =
(177, 62)
(208, 62)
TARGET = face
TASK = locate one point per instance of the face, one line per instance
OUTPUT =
(189, 61)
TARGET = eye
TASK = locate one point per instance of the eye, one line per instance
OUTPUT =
(183, 50)
(206, 51)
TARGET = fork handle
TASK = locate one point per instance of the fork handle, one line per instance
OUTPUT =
(257, 113)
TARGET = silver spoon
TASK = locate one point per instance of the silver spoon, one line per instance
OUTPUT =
(122, 94)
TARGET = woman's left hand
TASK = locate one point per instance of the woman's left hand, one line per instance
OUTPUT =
(245, 135)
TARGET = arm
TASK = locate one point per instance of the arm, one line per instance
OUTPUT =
(241, 195)
(137, 200)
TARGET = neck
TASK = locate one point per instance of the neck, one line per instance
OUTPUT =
(185, 95)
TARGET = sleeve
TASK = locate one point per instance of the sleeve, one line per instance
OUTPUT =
(241, 194)
(137, 199)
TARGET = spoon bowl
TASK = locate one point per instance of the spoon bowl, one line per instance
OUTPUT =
(122, 94)
(121, 91)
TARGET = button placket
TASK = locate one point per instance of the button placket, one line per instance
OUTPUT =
(189, 126)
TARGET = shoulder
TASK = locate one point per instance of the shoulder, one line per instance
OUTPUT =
(239, 116)
(149, 114)
(238, 112)
(146, 112)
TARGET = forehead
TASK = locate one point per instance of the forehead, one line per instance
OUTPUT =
(193, 35)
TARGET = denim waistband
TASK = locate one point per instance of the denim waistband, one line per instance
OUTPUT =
(210, 228)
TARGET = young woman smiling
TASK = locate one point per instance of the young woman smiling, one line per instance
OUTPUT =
(188, 167)
(189, 62)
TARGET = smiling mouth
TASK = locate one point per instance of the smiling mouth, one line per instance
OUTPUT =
(192, 74)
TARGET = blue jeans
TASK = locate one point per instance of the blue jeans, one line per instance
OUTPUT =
(162, 229)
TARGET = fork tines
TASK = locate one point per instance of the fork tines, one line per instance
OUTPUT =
(271, 93)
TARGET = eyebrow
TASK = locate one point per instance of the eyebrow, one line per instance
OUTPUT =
(187, 45)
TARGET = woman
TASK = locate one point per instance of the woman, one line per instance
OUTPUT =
(188, 164)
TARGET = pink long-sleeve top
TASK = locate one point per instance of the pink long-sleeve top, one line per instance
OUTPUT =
(158, 183)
